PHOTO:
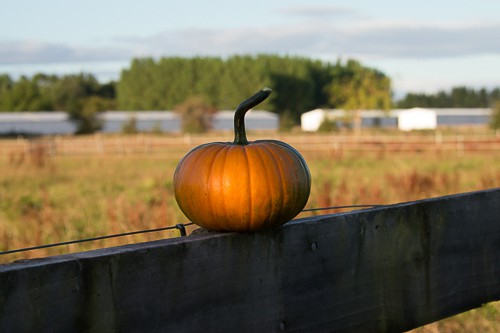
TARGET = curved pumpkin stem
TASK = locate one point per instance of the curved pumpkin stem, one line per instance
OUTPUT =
(240, 136)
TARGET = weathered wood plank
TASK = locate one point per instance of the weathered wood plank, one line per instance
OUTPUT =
(385, 269)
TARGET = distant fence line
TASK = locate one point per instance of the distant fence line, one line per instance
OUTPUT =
(327, 143)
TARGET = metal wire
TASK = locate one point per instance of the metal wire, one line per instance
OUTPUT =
(180, 227)
(91, 239)
(339, 207)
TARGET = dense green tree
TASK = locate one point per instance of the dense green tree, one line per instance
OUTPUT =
(107, 90)
(495, 117)
(494, 96)
(6, 84)
(328, 125)
(297, 83)
(87, 117)
(70, 91)
(354, 87)
(457, 97)
(130, 126)
(49, 92)
(25, 95)
(196, 115)
(83, 98)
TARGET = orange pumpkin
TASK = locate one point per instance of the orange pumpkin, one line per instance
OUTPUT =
(241, 185)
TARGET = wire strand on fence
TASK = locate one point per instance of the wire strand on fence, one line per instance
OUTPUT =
(339, 207)
(180, 227)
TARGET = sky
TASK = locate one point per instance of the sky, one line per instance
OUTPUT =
(424, 46)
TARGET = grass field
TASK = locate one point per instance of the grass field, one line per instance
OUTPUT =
(52, 198)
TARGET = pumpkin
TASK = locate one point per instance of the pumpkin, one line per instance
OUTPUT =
(241, 185)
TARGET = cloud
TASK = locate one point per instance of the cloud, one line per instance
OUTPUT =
(317, 12)
(398, 40)
(422, 40)
(32, 51)
(401, 40)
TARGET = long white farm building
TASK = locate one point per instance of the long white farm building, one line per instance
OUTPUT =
(404, 119)
(47, 123)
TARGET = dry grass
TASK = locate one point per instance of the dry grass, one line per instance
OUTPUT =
(47, 198)
(66, 198)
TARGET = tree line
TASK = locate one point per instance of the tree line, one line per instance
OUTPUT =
(300, 84)
(80, 95)
(458, 97)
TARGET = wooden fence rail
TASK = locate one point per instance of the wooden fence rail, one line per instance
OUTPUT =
(306, 143)
(386, 269)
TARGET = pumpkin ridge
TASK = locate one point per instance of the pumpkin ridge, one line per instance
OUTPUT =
(250, 201)
(303, 163)
(295, 196)
(291, 149)
(279, 175)
(199, 162)
(226, 150)
(186, 167)
(209, 182)
(261, 161)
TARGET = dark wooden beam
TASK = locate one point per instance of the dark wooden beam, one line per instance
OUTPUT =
(386, 269)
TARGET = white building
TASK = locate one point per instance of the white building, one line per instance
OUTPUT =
(404, 119)
(417, 119)
(311, 121)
